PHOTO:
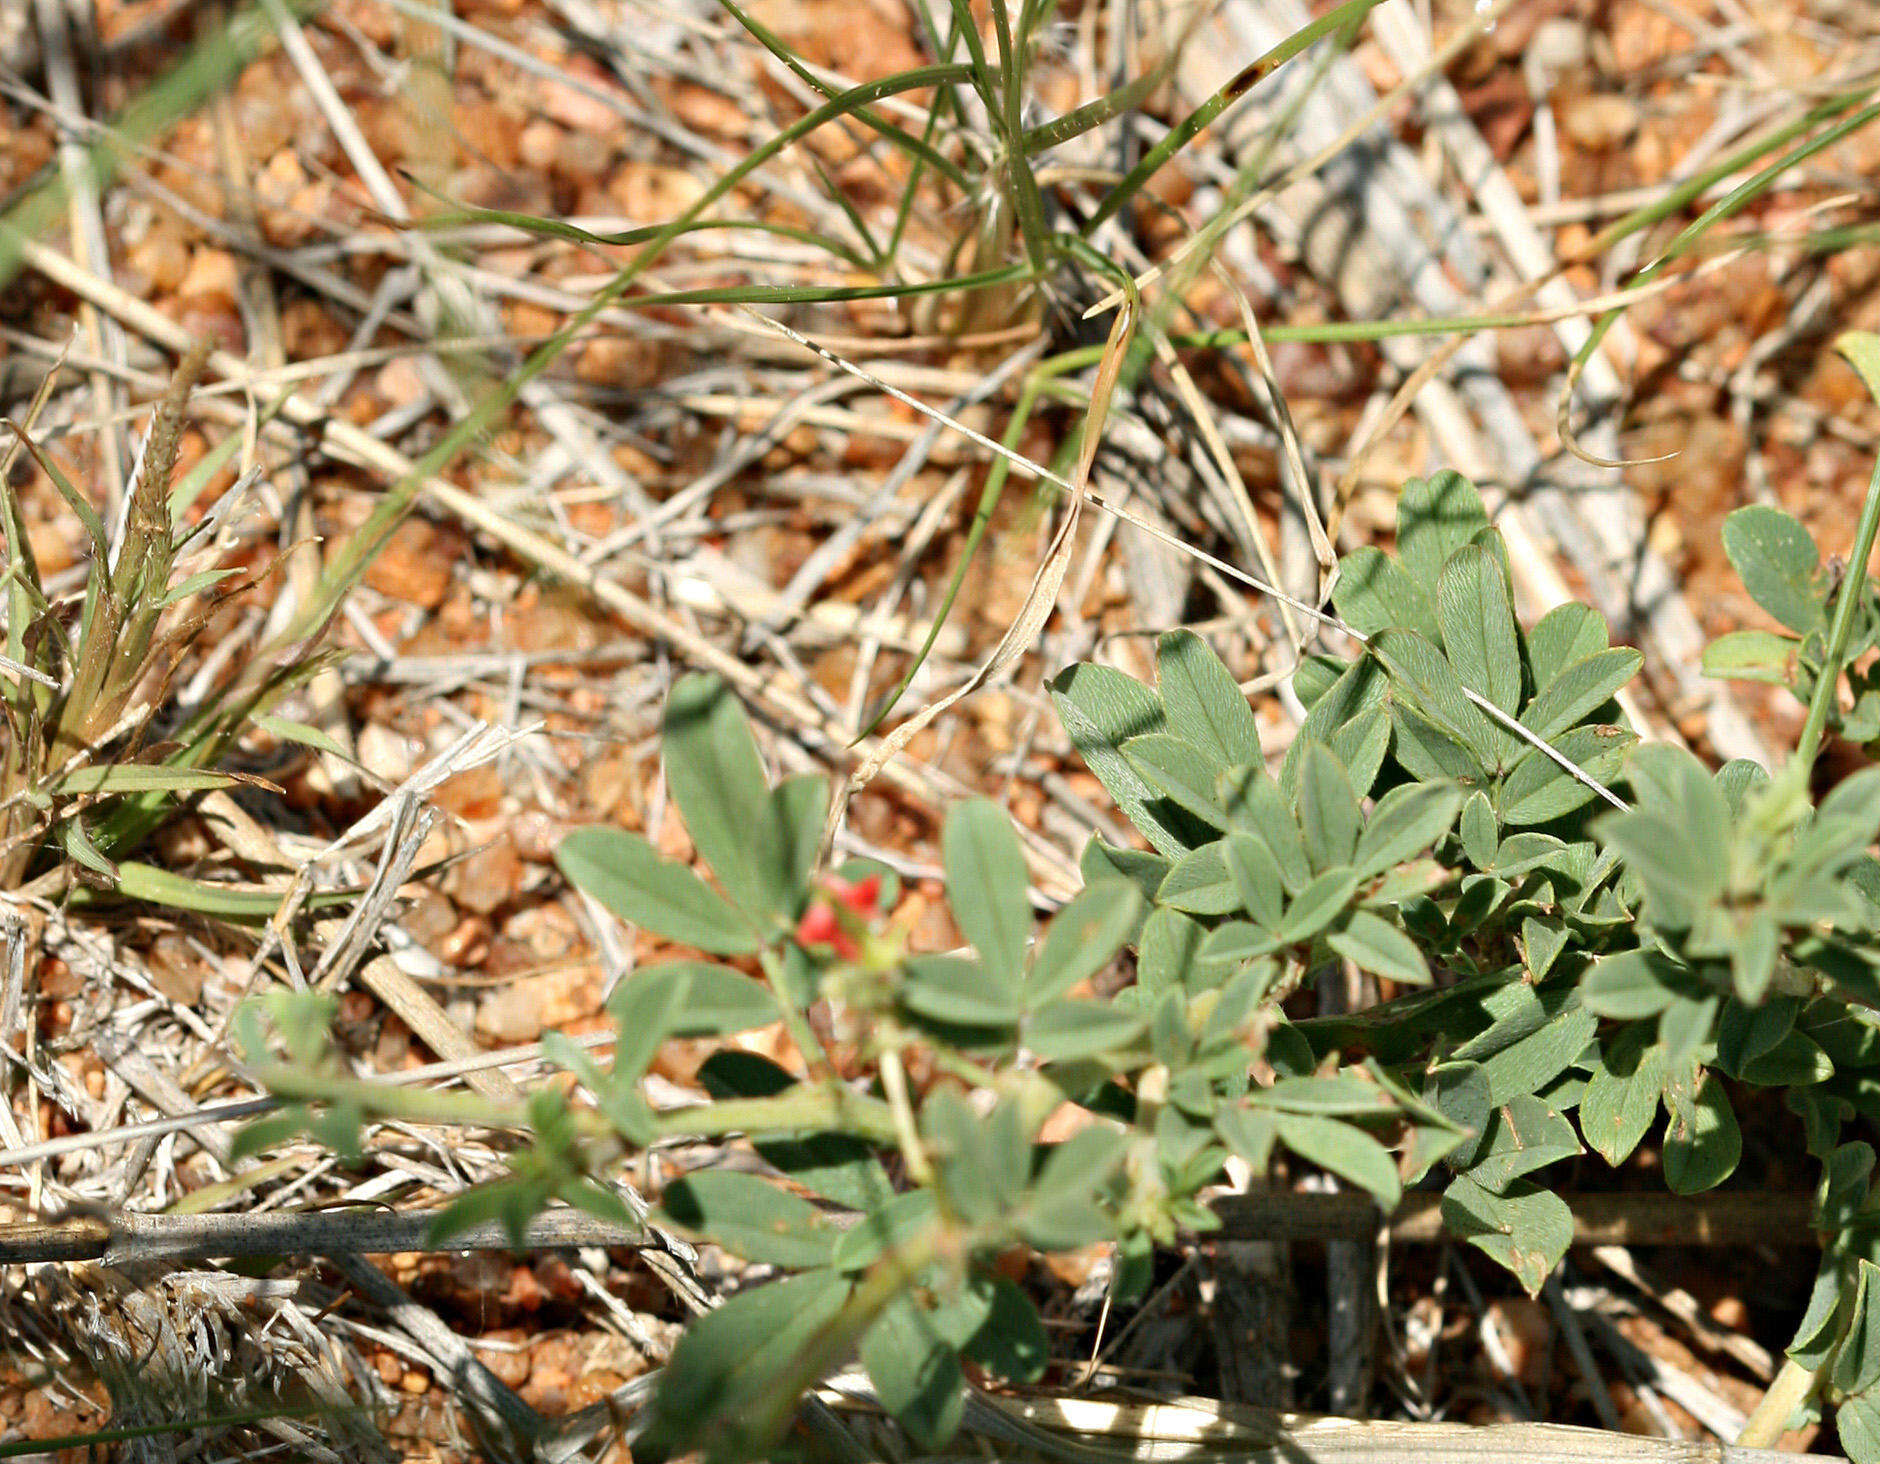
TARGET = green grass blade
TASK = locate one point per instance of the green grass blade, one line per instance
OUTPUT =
(1347, 15)
(230, 902)
(915, 147)
(1076, 123)
(1027, 205)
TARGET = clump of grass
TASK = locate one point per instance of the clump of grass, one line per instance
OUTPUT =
(94, 751)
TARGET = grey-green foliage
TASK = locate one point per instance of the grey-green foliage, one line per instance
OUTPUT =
(1780, 566)
(1585, 943)
(1410, 831)
(901, 1272)
(1629, 968)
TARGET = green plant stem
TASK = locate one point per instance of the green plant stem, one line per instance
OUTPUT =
(1789, 1391)
(894, 1080)
(1027, 206)
(806, 1108)
(1846, 607)
(885, 1281)
(794, 1021)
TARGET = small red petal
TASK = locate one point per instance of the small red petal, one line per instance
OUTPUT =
(818, 927)
(863, 896)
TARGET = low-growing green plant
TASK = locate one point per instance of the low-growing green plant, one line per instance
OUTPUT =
(94, 753)
(1575, 935)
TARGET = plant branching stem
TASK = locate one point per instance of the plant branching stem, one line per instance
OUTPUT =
(1791, 1388)
(1846, 607)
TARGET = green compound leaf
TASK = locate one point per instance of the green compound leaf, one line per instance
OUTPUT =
(1423, 676)
(1524, 1134)
(1702, 1141)
(717, 1001)
(1374, 592)
(1621, 1098)
(717, 780)
(1255, 874)
(1403, 823)
(1753, 655)
(1319, 904)
(1580, 689)
(1539, 790)
(954, 989)
(985, 1161)
(1065, 1030)
(1200, 884)
(1479, 634)
(1348, 1152)
(1101, 709)
(1373, 944)
(1180, 772)
(1348, 718)
(1011, 1344)
(1857, 1364)
(1329, 820)
(1083, 938)
(626, 874)
(730, 1360)
(915, 1372)
(1857, 1421)
(1563, 637)
(1436, 516)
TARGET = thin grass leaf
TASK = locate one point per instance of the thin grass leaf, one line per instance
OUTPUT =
(1344, 18)
(81, 507)
(100, 782)
(920, 149)
(231, 902)
(460, 214)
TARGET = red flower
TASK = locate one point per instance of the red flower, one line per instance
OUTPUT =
(861, 897)
(824, 924)
(819, 927)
